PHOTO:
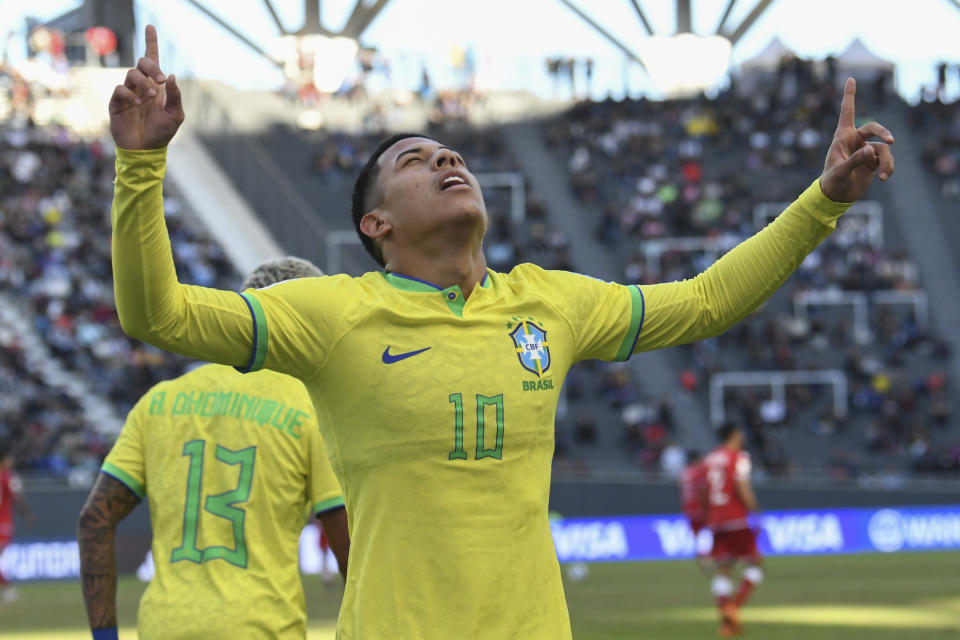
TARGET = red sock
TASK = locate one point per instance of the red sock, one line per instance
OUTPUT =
(3, 581)
(746, 588)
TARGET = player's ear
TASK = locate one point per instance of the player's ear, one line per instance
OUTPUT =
(375, 224)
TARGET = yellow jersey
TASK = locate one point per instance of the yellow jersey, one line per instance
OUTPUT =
(230, 465)
(438, 411)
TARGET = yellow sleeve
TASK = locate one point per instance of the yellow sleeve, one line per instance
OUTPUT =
(298, 322)
(153, 306)
(709, 304)
(126, 461)
(324, 490)
(604, 317)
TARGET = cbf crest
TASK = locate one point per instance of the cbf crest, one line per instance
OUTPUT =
(530, 341)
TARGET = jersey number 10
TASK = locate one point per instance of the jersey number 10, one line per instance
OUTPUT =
(221, 505)
(459, 453)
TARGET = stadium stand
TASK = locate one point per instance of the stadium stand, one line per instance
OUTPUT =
(674, 185)
(697, 170)
(678, 183)
(55, 194)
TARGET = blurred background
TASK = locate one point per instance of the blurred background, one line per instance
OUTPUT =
(630, 140)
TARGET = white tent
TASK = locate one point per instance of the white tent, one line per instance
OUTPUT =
(857, 56)
(769, 59)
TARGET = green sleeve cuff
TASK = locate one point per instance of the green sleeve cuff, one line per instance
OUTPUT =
(817, 205)
(328, 504)
(637, 311)
(124, 478)
(260, 334)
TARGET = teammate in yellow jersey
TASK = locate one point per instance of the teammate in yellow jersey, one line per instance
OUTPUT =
(232, 467)
(436, 380)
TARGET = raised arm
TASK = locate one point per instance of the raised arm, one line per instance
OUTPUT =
(109, 503)
(213, 325)
(709, 304)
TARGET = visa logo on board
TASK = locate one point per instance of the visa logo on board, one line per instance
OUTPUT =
(808, 533)
(577, 541)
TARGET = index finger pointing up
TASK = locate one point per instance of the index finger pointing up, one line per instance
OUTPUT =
(847, 109)
(153, 51)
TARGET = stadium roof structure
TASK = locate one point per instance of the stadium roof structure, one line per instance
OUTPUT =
(363, 13)
(679, 62)
(731, 33)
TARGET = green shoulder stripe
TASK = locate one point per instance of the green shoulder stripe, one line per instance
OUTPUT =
(327, 505)
(260, 334)
(125, 478)
(638, 308)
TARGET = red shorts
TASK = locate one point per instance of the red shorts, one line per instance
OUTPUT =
(734, 545)
(4, 541)
(696, 524)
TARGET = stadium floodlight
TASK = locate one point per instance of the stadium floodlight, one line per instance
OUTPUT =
(328, 60)
(685, 64)
(333, 60)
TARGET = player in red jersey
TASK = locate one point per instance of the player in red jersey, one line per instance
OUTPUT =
(11, 495)
(730, 500)
(693, 500)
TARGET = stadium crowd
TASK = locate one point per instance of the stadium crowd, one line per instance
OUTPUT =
(697, 169)
(939, 124)
(652, 170)
(55, 195)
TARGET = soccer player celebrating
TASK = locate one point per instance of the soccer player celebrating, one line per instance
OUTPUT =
(436, 380)
(730, 500)
(230, 466)
(11, 495)
(693, 501)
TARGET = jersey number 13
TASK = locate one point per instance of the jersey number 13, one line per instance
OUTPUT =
(222, 505)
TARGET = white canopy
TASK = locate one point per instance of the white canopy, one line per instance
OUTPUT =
(768, 59)
(857, 56)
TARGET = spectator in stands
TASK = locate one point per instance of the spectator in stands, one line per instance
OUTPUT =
(55, 193)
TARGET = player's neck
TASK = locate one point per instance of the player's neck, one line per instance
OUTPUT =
(466, 268)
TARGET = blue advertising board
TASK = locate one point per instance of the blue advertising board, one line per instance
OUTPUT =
(633, 538)
(808, 532)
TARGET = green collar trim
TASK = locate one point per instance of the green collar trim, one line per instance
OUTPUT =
(453, 296)
(409, 283)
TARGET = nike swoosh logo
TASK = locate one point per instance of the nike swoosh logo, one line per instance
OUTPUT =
(389, 358)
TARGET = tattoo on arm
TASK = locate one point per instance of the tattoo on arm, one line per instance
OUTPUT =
(110, 502)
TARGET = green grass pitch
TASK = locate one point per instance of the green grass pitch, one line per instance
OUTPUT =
(872, 597)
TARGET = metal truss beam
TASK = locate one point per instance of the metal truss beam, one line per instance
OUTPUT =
(236, 34)
(276, 18)
(642, 16)
(311, 18)
(684, 23)
(748, 21)
(361, 17)
(606, 34)
(726, 14)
